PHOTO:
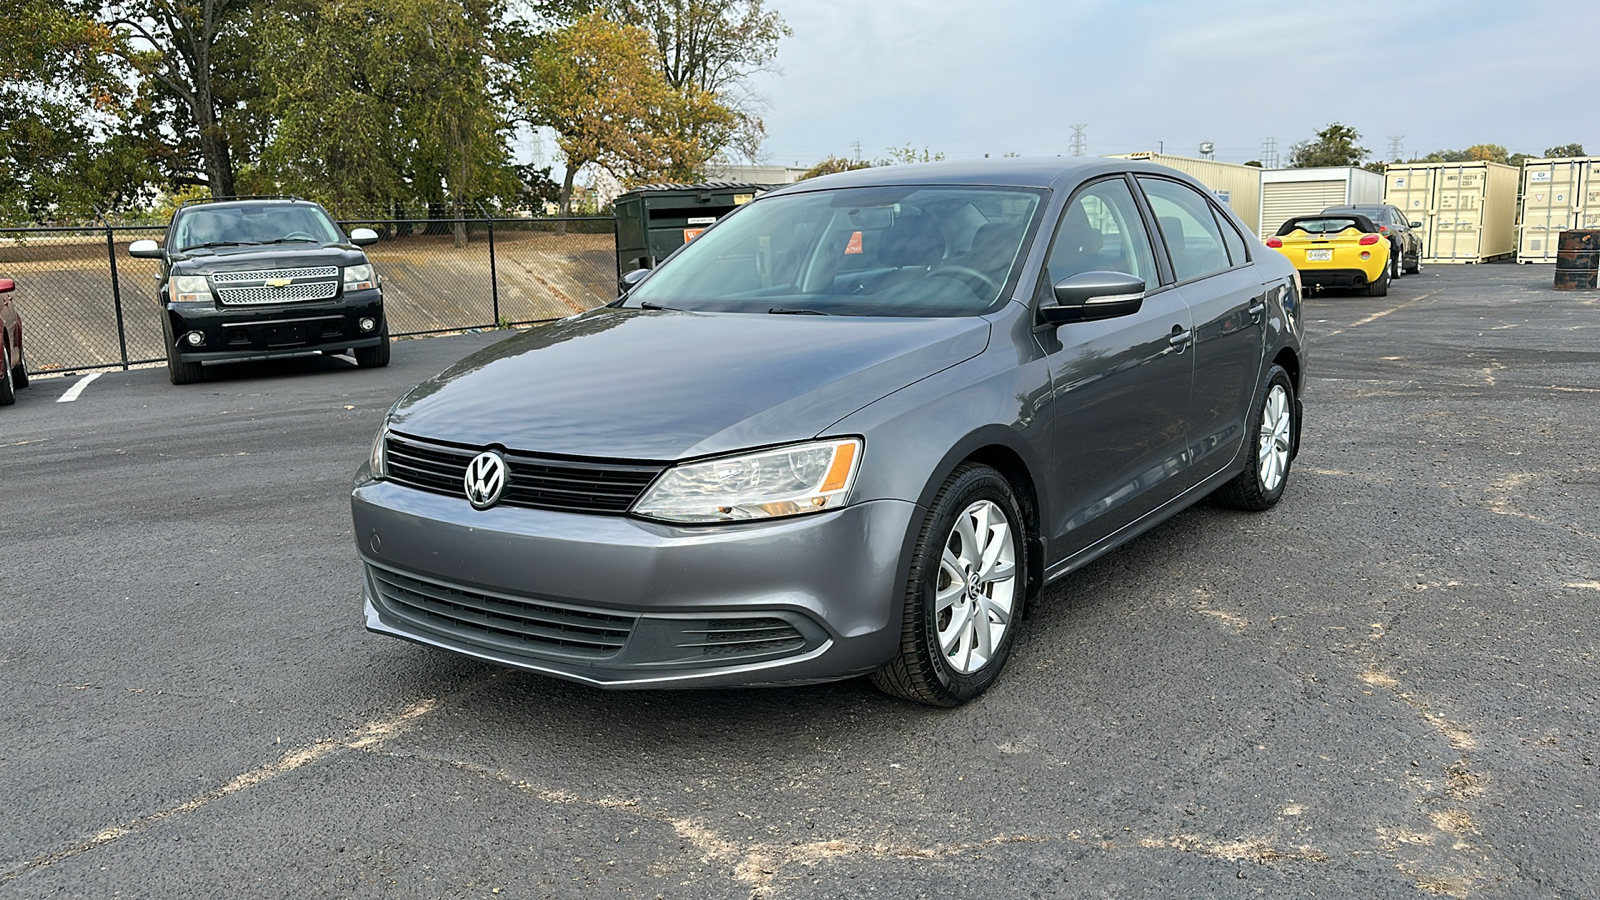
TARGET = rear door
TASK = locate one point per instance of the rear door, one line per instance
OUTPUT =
(1227, 299)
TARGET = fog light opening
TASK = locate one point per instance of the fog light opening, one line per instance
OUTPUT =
(368, 324)
(195, 338)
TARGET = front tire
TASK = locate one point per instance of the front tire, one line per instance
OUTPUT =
(965, 594)
(374, 357)
(1397, 255)
(19, 372)
(1273, 423)
(178, 371)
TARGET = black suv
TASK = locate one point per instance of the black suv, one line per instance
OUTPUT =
(1405, 245)
(254, 278)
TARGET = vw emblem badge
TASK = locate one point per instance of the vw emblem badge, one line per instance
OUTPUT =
(485, 479)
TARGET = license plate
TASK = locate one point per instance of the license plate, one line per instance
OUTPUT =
(284, 335)
(1319, 255)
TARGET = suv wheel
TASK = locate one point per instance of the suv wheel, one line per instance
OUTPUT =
(965, 594)
(374, 357)
(178, 371)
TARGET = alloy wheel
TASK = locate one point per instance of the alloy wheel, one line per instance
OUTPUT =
(976, 590)
(1272, 457)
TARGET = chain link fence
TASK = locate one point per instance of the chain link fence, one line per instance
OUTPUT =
(87, 304)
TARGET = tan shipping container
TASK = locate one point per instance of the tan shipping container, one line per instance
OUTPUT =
(1233, 184)
(1555, 195)
(1467, 211)
(1286, 193)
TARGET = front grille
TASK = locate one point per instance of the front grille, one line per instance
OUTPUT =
(534, 482)
(265, 294)
(517, 624)
(265, 274)
(743, 637)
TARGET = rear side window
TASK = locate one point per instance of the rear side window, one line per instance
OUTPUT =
(1194, 241)
(1230, 236)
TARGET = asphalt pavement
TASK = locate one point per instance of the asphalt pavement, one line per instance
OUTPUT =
(1384, 687)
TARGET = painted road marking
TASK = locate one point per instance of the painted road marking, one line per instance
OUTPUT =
(73, 392)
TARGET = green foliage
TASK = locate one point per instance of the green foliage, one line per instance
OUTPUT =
(1333, 146)
(899, 156)
(832, 165)
(1564, 151)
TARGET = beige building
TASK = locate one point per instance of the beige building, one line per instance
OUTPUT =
(1468, 210)
(1233, 184)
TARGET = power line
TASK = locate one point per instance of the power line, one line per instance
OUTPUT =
(1079, 142)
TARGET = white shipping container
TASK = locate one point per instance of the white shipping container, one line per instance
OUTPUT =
(1468, 210)
(1237, 186)
(1552, 202)
(1286, 193)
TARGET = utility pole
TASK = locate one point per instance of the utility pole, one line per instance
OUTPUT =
(1079, 142)
(1395, 149)
(1269, 153)
(856, 146)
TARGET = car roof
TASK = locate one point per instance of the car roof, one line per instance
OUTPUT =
(249, 202)
(1040, 172)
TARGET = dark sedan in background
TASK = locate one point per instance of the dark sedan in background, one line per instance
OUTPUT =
(853, 428)
(1405, 244)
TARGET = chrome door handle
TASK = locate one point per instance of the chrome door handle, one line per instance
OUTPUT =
(1179, 338)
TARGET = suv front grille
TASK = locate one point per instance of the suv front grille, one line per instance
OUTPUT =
(253, 289)
(517, 624)
(534, 482)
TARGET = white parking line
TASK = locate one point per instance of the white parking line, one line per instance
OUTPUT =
(73, 392)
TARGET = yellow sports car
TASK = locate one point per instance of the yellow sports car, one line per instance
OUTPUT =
(1344, 250)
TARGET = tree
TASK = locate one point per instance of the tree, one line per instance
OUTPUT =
(594, 83)
(709, 46)
(1564, 151)
(832, 165)
(1334, 146)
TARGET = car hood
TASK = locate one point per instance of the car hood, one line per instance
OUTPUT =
(665, 385)
(274, 256)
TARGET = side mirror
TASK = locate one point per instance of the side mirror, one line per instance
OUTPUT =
(631, 278)
(1416, 224)
(145, 249)
(7, 285)
(361, 237)
(1093, 295)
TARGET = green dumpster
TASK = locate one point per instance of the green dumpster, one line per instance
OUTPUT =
(655, 219)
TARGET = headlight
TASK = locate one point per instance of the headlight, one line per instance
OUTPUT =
(376, 457)
(359, 278)
(804, 478)
(190, 289)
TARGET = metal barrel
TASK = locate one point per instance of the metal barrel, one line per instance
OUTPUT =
(1578, 261)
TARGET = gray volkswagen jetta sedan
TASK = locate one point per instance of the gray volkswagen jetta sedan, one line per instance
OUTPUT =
(853, 428)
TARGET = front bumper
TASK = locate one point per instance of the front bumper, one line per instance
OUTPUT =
(254, 332)
(624, 603)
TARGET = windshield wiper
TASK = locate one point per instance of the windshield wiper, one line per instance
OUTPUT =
(646, 304)
(292, 241)
(786, 311)
(210, 244)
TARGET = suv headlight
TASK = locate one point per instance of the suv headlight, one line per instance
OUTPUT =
(377, 457)
(788, 481)
(189, 289)
(359, 278)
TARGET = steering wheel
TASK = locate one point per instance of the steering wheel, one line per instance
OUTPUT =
(981, 283)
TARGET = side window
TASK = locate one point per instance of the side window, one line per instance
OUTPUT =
(1230, 236)
(1188, 227)
(1101, 231)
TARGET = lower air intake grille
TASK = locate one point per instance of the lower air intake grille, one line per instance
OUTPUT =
(515, 624)
(743, 637)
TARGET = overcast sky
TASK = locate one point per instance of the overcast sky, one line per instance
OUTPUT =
(998, 76)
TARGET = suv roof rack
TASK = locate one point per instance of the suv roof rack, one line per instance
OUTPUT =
(200, 200)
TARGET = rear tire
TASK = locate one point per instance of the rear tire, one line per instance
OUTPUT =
(19, 372)
(178, 371)
(965, 594)
(1397, 257)
(1416, 265)
(1276, 435)
(1379, 288)
(374, 357)
(8, 390)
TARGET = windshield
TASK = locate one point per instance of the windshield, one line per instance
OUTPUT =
(883, 251)
(277, 223)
